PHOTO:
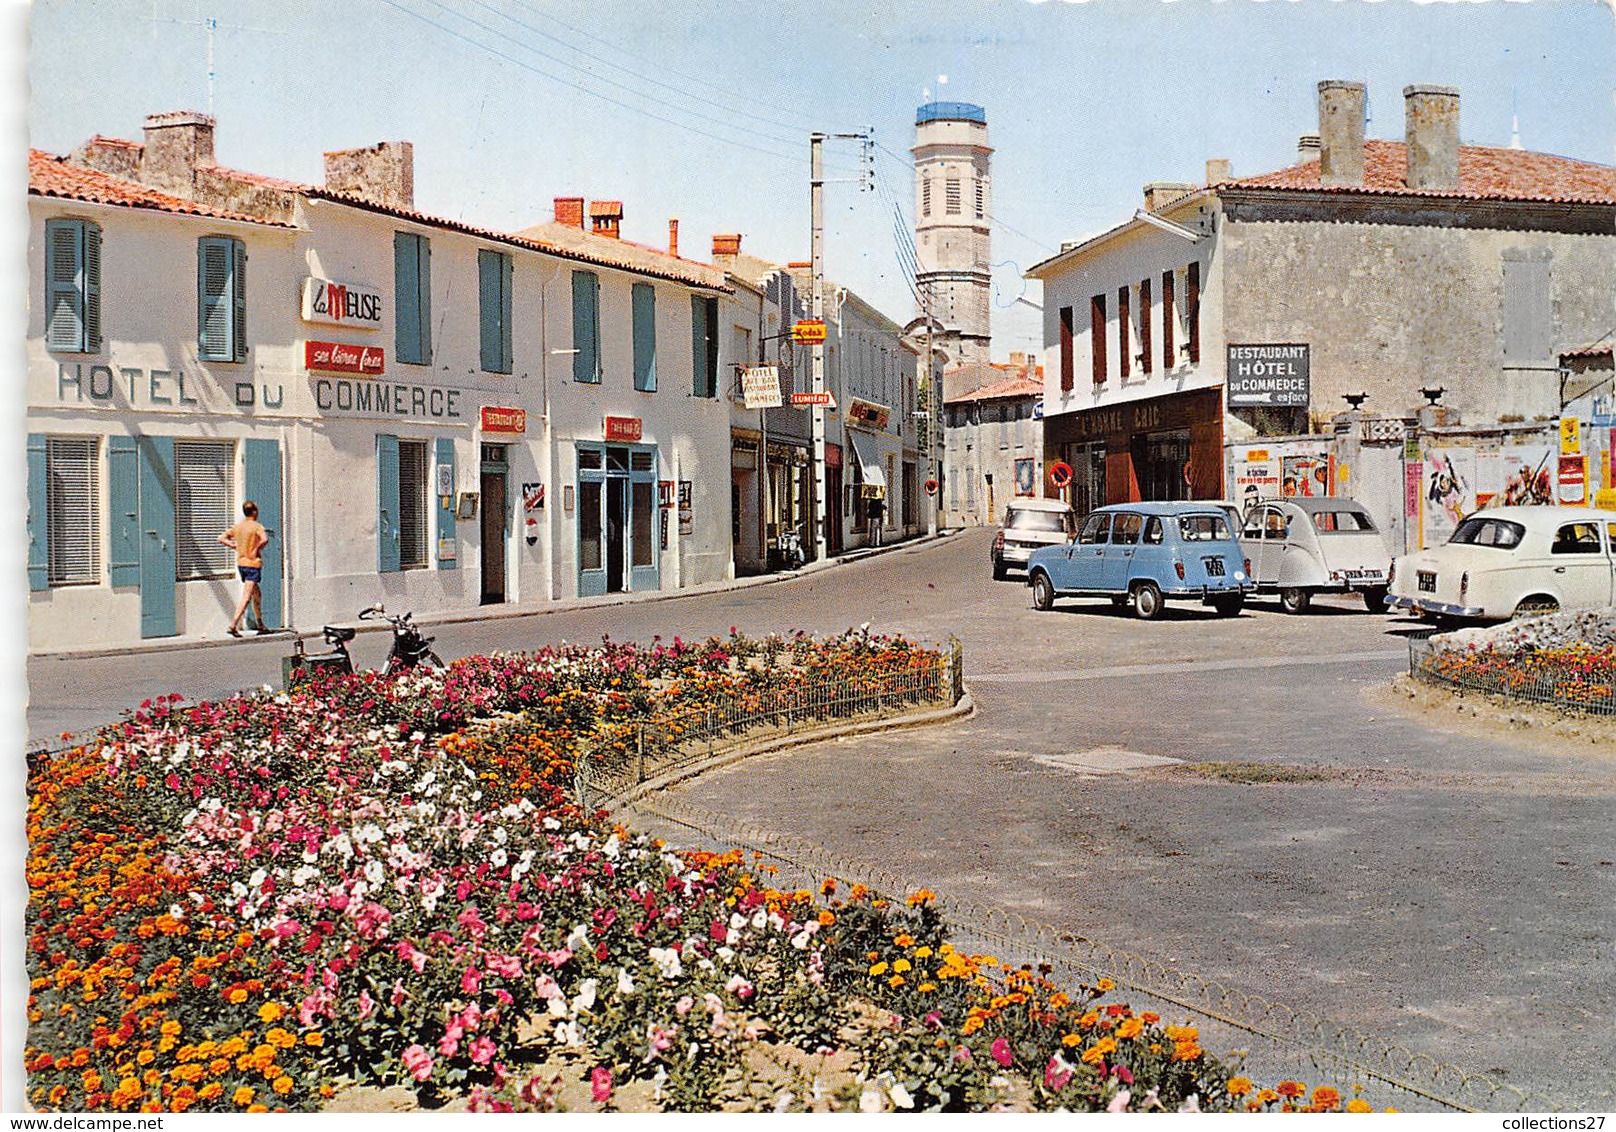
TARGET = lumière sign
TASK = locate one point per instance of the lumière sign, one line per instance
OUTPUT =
(1268, 376)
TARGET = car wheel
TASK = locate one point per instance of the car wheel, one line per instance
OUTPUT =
(1375, 598)
(1147, 601)
(1535, 606)
(1294, 600)
(1043, 594)
(1229, 606)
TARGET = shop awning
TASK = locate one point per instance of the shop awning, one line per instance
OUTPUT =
(864, 449)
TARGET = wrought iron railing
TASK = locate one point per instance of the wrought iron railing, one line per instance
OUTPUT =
(1542, 684)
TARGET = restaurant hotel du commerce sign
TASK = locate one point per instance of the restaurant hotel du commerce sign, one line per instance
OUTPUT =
(1268, 376)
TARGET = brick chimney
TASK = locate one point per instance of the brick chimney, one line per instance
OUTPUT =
(383, 173)
(176, 143)
(1160, 194)
(1307, 149)
(673, 237)
(569, 211)
(728, 244)
(1218, 169)
(1431, 115)
(1341, 132)
(606, 218)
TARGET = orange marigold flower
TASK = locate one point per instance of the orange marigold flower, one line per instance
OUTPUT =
(170, 1029)
(242, 1097)
(281, 1039)
(314, 1038)
(270, 1012)
(1290, 1088)
(1238, 1086)
(1070, 1040)
(921, 896)
(1326, 1097)
(237, 996)
(827, 917)
(1130, 1028)
(282, 1085)
(1358, 1104)
(1267, 1096)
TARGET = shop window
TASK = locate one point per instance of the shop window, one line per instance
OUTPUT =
(412, 504)
(204, 507)
(221, 299)
(1097, 337)
(412, 298)
(73, 519)
(586, 327)
(494, 305)
(72, 286)
(644, 303)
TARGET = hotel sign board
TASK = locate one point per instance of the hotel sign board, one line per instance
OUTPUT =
(760, 387)
(1268, 376)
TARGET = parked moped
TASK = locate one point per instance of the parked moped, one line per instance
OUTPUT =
(410, 649)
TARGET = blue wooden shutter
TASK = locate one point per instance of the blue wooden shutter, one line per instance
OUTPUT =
(644, 337)
(92, 288)
(704, 359)
(423, 281)
(446, 510)
(215, 316)
(38, 515)
(124, 525)
(386, 503)
(159, 552)
(64, 276)
(261, 483)
(585, 326)
(238, 301)
(506, 299)
(494, 287)
(412, 298)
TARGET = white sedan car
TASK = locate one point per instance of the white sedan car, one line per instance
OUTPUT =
(1505, 562)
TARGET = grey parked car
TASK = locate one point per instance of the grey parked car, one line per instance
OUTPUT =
(1029, 524)
(1320, 545)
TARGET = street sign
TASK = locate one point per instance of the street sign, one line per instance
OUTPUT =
(1267, 375)
(808, 331)
(760, 386)
(804, 400)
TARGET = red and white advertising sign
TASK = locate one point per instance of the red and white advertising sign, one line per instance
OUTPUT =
(867, 413)
(498, 419)
(1573, 479)
(824, 398)
(341, 357)
(342, 304)
(623, 428)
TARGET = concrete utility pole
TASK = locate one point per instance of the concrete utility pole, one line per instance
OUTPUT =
(817, 312)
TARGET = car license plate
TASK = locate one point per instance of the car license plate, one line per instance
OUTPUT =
(1427, 582)
(1362, 575)
(1214, 567)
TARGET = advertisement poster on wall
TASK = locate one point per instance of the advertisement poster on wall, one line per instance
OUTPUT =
(1305, 475)
(1278, 468)
(1024, 476)
(1450, 491)
(1527, 476)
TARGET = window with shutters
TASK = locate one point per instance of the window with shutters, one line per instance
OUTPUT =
(412, 504)
(1145, 361)
(204, 507)
(412, 298)
(494, 292)
(221, 299)
(644, 303)
(586, 327)
(73, 510)
(1192, 312)
(1097, 337)
(925, 196)
(981, 198)
(1169, 321)
(1124, 335)
(951, 196)
(72, 286)
(704, 344)
(1068, 331)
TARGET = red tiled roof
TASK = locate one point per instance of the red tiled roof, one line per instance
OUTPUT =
(1588, 352)
(1485, 173)
(52, 176)
(1014, 386)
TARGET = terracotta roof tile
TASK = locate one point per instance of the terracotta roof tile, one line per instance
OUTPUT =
(1016, 385)
(1588, 352)
(1485, 173)
(52, 176)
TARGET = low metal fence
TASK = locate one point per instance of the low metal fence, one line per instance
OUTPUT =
(619, 759)
(1274, 1041)
(1562, 689)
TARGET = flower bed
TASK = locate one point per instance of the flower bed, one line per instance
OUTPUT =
(1578, 676)
(248, 904)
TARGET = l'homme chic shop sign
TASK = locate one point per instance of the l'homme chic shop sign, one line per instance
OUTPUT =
(342, 304)
(1268, 376)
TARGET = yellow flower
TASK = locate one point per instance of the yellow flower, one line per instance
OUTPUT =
(1358, 1104)
(901, 966)
(879, 969)
(896, 981)
(1237, 1086)
(922, 953)
(211, 1091)
(1267, 1096)
(1070, 1040)
(1105, 985)
(238, 996)
(926, 988)
(170, 1029)
(270, 1012)
(314, 1038)
(281, 1039)
(282, 1085)
(1132, 1028)
(242, 1097)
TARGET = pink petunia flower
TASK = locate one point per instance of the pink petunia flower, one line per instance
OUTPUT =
(419, 1062)
(600, 1084)
(1001, 1052)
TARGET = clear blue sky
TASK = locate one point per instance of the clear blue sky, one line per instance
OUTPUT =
(701, 109)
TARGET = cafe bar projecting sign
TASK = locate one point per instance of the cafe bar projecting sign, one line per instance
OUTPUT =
(1268, 376)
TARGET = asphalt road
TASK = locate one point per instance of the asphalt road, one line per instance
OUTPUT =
(1453, 891)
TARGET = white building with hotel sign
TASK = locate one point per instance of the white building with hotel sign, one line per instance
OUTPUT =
(420, 407)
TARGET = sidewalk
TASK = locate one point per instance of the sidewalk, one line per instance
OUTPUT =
(505, 612)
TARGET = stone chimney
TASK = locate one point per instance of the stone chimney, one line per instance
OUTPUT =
(569, 211)
(176, 144)
(606, 218)
(1341, 133)
(1307, 149)
(383, 173)
(1431, 114)
(1160, 194)
(673, 237)
(1218, 170)
(726, 245)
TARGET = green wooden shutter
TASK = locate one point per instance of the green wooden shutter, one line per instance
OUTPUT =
(701, 345)
(64, 294)
(506, 301)
(494, 287)
(423, 280)
(644, 337)
(92, 288)
(446, 510)
(123, 481)
(214, 314)
(585, 326)
(38, 515)
(412, 298)
(238, 301)
(387, 516)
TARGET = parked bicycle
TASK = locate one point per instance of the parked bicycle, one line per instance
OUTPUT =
(410, 649)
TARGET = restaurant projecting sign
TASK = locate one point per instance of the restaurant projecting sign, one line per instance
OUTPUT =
(1268, 376)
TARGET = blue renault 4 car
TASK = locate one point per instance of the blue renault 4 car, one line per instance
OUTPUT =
(1144, 554)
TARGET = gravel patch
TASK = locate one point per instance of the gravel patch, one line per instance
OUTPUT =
(1596, 627)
